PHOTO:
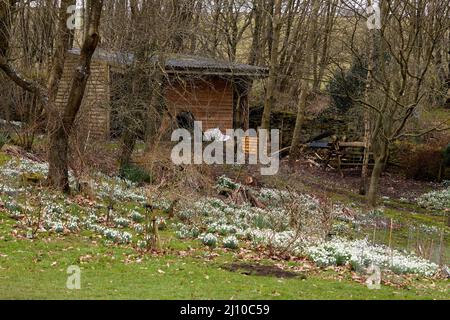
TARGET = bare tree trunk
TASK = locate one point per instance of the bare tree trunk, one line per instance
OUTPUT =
(255, 51)
(302, 104)
(380, 160)
(366, 160)
(305, 86)
(270, 95)
(367, 138)
(62, 45)
(183, 11)
(154, 113)
(59, 135)
(374, 183)
(327, 34)
(196, 26)
(128, 144)
(129, 137)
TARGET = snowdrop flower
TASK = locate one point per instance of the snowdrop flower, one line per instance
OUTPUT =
(209, 240)
(436, 200)
(121, 222)
(231, 242)
(360, 254)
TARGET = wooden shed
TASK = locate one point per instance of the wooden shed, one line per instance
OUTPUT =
(213, 91)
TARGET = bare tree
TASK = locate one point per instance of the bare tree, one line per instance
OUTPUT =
(274, 44)
(7, 15)
(305, 87)
(399, 75)
(63, 44)
(60, 131)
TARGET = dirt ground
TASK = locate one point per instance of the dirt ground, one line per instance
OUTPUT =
(392, 185)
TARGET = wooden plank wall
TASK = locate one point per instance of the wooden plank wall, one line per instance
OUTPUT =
(209, 100)
(93, 119)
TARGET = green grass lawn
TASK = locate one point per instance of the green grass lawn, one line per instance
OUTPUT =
(38, 270)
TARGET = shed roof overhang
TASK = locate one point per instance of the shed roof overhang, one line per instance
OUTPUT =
(184, 64)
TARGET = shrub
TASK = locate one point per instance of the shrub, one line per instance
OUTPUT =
(346, 85)
(3, 139)
(446, 154)
(422, 162)
(135, 174)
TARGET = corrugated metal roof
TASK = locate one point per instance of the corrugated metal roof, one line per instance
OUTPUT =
(185, 63)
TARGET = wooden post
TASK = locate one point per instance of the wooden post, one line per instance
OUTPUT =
(156, 243)
(390, 233)
(441, 249)
(374, 232)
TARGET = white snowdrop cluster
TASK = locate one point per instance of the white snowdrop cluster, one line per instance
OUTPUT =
(57, 213)
(185, 231)
(361, 254)
(116, 236)
(231, 242)
(209, 240)
(121, 222)
(226, 183)
(264, 227)
(273, 227)
(139, 229)
(436, 200)
(16, 167)
(272, 195)
(136, 216)
(5, 189)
